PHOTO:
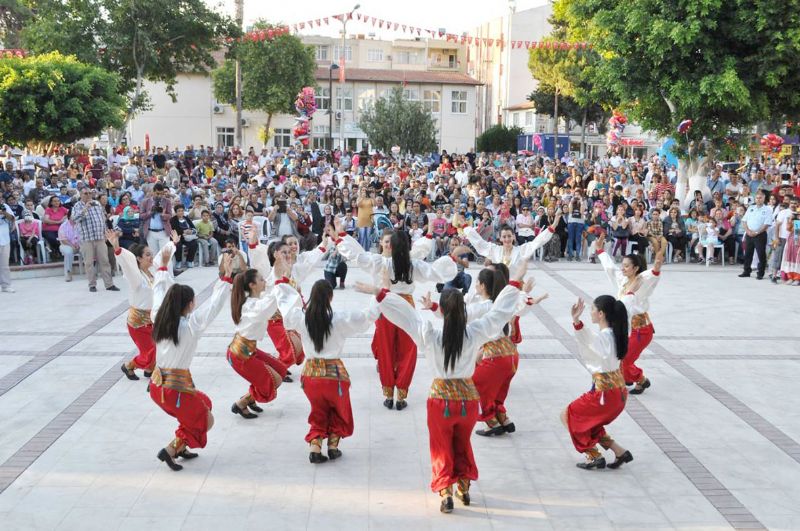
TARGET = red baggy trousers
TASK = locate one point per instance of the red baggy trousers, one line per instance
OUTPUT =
(396, 353)
(283, 345)
(331, 413)
(492, 379)
(143, 339)
(191, 410)
(449, 437)
(587, 416)
(256, 370)
(637, 342)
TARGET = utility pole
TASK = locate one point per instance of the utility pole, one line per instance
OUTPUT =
(345, 18)
(240, 23)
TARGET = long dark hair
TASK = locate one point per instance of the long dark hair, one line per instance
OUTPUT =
(617, 317)
(494, 279)
(165, 327)
(137, 249)
(638, 261)
(241, 287)
(273, 248)
(319, 313)
(454, 311)
(401, 258)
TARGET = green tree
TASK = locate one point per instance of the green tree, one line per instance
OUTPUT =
(139, 40)
(53, 98)
(13, 15)
(273, 72)
(727, 65)
(499, 138)
(396, 121)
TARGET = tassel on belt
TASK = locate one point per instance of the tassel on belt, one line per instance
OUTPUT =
(455, 389)
(137, 318)
(640, 321)
(606, 381)
(330, 369)
(241, 347)
(176, 379)
(499, 348)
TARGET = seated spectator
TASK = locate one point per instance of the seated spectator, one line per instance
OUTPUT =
(675, 231)
(709, 237)
(30, 233)
(128, 227)
(462, 280)
(239, 258)
(525, 224)
(655, 233)
(188, 242)
(70, 244)
(54, 216)
(205, 239)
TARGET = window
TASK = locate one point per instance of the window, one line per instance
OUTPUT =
(283, 138)
(515, 119)
(407, 58)
(529, 118)
(431, 100)
(322, 53)
(321, 142)
(411, 94)
(374, 55)
(458, 105)
(323, 99)
(451, 61)
(344, 98)
(337, 53)
(366, 98)
(225, 136)
(386, 94)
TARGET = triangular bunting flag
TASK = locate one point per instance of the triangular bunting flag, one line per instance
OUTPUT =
(326, 20)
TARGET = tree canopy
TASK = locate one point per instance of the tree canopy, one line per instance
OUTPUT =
(53, 98)
(725, 64)
(273, 72)
(13, 15)
(397, 121)
(499, 138)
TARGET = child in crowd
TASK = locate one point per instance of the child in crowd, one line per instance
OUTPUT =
(708, 238)
(30, 233)
(416, 232)
(205, 239)
(349, 224)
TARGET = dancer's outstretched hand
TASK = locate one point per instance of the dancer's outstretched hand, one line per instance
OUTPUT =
(529, 284)
(601, 240)
(113, 238)
(536, 300)
(659, 261)
(426, 301)
(227, 265)
(337, 225)
(253, 240)
(577, 310)
(369, 289)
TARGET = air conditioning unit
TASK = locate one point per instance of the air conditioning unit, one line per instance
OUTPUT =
(338, 115)
(218, 108)
(245, 122)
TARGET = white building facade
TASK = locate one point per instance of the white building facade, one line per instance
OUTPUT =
(430, 71)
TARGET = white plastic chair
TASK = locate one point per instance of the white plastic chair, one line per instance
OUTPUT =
(41, 247)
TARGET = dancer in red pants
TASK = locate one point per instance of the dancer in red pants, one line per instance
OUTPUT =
(138, 269)
(177, 328)
(325, 380)
(251, 307)
(391, 345)
(588, 415)
(453, 400)
(634, 283)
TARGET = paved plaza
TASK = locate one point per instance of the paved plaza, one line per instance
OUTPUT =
(715, 439)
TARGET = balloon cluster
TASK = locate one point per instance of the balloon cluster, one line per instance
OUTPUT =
(616, 126)
(306, 106)
(537, 141)
(771, 142)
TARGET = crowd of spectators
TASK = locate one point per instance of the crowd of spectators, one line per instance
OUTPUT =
(57, 205)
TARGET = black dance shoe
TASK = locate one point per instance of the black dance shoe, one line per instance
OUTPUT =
(287, 378)
(639, 389)
(186, 454)
(497, 430)
(509, 428)
(317, 458)
(388, 403)
(255, 407)
(334, 453)
(243, 412)
(164, 456)
(401, 405)
(128, 372)
(148, 374)
(598, 462)
(463, 496)
(447, 505)
(627, 457)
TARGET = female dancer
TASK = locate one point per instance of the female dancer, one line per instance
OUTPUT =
(251, 307)
(325, 380)
(177, 328)
(137, 268)
(634, 279)
(587, 416)
(452, 353)
(506, 253)
(391, 345)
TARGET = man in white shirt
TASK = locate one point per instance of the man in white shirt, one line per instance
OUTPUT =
(7, 224)
(757, 221)
(462, 176)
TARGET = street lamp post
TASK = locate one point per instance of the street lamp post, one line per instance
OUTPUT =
(239, 23)
(345, 18)
(333, 67)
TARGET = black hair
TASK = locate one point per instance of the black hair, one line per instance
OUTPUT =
(168, 319)
(638, 261)
(158, 187)
(495, 278)
(617, 317)
(273, 248)
(401, 258)
(506, 227)
(137, 249)
(319, 313)
(454, 329)
(241, 287)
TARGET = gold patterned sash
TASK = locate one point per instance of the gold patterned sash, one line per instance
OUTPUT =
(137, 318)
(640, 321)
(499, 348)
(604, 381)
(241, 347)
(454, 389)
(175, 379)
(332, 369)
(408, 297)
(277, 317)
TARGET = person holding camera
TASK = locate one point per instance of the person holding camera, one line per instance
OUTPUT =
(90, 216)
(184, 226)
(155, 215)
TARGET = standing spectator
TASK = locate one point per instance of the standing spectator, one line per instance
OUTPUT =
(620, 231)
(757, 220)
(91, 220)
(364, 222)
(184, 226)
(576, 221)
(782, 233)
(7, 226)
(156, 212)
(70, 240)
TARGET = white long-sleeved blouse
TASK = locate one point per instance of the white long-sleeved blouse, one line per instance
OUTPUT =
(636, 297)
(256, 311)
(598, 351)
(191, 328)
(497, 254)
(442, 270)
(343, 325)
(140, 287)
(429, 340)
(302, 268)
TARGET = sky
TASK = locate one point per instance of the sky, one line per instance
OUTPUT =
(456, 16)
